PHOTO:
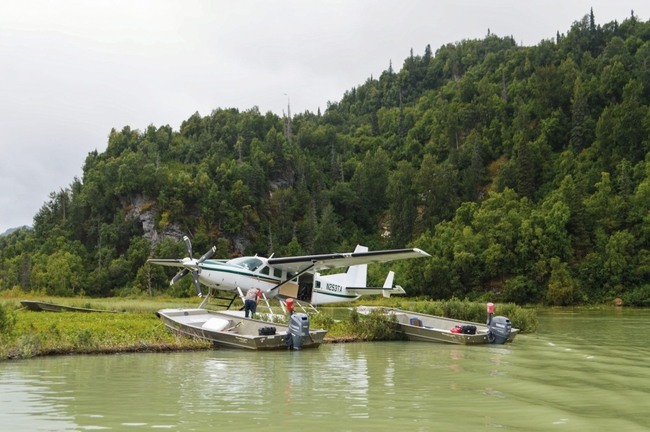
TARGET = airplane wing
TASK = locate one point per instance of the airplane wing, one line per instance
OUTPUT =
(167, 262)
(337, 260)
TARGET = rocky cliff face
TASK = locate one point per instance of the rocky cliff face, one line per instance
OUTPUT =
(144, 209)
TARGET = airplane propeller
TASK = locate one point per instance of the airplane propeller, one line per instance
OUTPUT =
(188, 246)
(194, 263)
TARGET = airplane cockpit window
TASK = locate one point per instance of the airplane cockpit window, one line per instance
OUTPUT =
(249, 263)
(265, 271)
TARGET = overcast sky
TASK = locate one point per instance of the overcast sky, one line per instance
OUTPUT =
(72, 70)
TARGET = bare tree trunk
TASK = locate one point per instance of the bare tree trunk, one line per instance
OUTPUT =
(149, 280)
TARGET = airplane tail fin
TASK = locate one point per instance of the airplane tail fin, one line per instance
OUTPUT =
(356, 275)
(389, 288)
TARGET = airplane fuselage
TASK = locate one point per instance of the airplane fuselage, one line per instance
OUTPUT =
(226, 276)
(291, 277)
(254, 272)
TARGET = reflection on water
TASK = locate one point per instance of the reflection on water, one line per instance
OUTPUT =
(583, 371)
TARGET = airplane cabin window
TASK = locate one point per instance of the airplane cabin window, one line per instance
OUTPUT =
(249, 263)
(277, 273)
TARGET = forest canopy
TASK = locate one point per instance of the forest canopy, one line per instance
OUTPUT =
(523, 171)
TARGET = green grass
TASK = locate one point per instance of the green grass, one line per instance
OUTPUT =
(44, 333)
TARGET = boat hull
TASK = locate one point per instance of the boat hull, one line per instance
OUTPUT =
(239, 332)
(37, 306)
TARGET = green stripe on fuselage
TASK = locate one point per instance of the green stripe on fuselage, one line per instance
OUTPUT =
(333, 294)
(246, 273)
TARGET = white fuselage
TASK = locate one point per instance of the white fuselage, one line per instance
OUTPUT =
(331, 289)
(228, 276)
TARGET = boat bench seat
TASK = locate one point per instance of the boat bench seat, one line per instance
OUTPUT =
(216, 324)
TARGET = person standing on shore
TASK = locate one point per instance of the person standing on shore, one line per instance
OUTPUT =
(250, 301)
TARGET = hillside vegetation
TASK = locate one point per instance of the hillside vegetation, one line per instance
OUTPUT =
(523, 171)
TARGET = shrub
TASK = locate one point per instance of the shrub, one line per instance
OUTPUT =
(7, 321)
(378, 326)
(320, 320)
(639, 296)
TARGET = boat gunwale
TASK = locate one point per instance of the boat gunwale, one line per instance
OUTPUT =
(38, 306)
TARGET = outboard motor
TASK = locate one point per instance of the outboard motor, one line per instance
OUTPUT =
(499, 327)
(298, 330)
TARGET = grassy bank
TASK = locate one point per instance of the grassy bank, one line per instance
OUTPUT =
(135, 327)
(47, 333)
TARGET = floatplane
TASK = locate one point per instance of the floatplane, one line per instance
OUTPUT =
(296, 278)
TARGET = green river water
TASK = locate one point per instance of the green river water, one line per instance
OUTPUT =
(582, 371)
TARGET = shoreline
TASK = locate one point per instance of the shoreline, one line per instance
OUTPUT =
(27, 334)
(201, 345)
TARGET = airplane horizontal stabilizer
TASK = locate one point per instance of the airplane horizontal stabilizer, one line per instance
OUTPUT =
(376, 290)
